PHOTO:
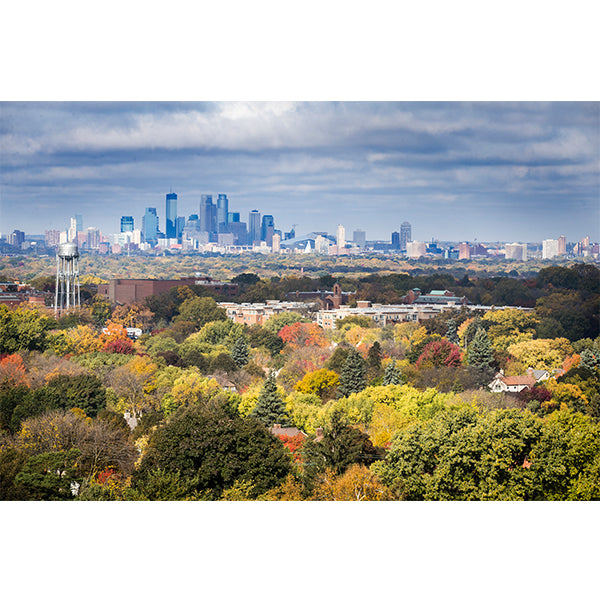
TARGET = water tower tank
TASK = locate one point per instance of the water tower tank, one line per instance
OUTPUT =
(68, 250)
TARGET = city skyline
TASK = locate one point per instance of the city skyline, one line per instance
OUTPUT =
(462, 171)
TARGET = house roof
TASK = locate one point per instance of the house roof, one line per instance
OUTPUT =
(518, 380)
(291, 431)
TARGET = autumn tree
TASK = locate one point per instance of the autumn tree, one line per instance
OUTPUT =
(300, 335)
(22, 329)
(356, 484)
(439, 353)
(277, 322)
(201, 311)
(321, 382)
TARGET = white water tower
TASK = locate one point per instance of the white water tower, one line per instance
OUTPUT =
(67, 278)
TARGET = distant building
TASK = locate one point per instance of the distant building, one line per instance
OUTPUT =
(515, 251)
(267, 229)
(126, 224)
(92, 238)
(464, 251)
(253, 227)
(150, 226)
(276, 242)
(416, 249)
(171, 215)
(359, 237)
(562, 245)
(405, 235)
(341, 237)
(549, 249)
(16, 238)
(208, 214)
(222, 213)
(125, 291)
(52, 238)
(395, 240)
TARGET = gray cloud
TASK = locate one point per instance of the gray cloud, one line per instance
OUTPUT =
(486, 170)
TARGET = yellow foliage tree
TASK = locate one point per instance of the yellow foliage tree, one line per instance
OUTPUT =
(356, 484)
(83, 339)
(542, 353)
(135, 385)
(321, 382)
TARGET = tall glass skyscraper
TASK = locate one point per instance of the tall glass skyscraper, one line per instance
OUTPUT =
(208, 214)
(150, 226)
(171, 214)
(253, 226)
(405, 234)
(222, 210)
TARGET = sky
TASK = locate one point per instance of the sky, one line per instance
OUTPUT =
(484, 171)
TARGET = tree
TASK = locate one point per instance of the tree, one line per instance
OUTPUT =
(452, 332)
(239, 352)
(300, 335)
(270, 408)
(480, 353)
(215, 447)
(439, 353)
(23, 329)
(341, 446)
(77, 391)
(393, 375)
(353, 378)
(201, 311)
(356, 484)
(321, 382)
(278, 322)
(374, 357)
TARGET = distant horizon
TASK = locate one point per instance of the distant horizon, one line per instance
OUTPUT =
(455, 170)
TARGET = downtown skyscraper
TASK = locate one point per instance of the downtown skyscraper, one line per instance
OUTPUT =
(171, 215)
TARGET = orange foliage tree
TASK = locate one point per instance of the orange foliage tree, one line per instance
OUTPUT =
(300, 335)
(12, 370)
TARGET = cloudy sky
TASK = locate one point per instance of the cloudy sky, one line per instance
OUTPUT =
(456, 171)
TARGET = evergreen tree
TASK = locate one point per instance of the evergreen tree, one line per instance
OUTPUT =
(354, 375)
(374, 356)
(452, 332)
(270, 408)
(393, 375)
(480, 353)
(239, 352)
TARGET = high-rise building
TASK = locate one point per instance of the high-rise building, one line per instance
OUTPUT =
(93, 238)
(222, 212)
(562, 245)
(150, 226)
(208, 214)
(359, 237)
(276, 242)
(171, 215)
(341, 237)
(16, 238)
(180, 227)
(126, 224)
(79, 223)
(72, 231)
(464, 251)
(549, 249)
(267, 229)
(239, 231)
(515, 251)
(253, 227)
(52, 238)
(233, 217)
(405, 234)
(395, 240)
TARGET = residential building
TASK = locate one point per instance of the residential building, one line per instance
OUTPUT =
(549, 249)
(515, 251)
(562, 245)
(416, 249)
(341, 237)
(52, 238)
(464, 251)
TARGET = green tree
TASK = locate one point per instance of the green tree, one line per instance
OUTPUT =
(270, 408)
(23, 329)
(354, 372)
(215, 447)
(77, 391)
(239, 352)
(374, 357)
(201, 311)
(393, 375)
(480, 353)
(51, 476)
(277, 322)
(452, 332)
